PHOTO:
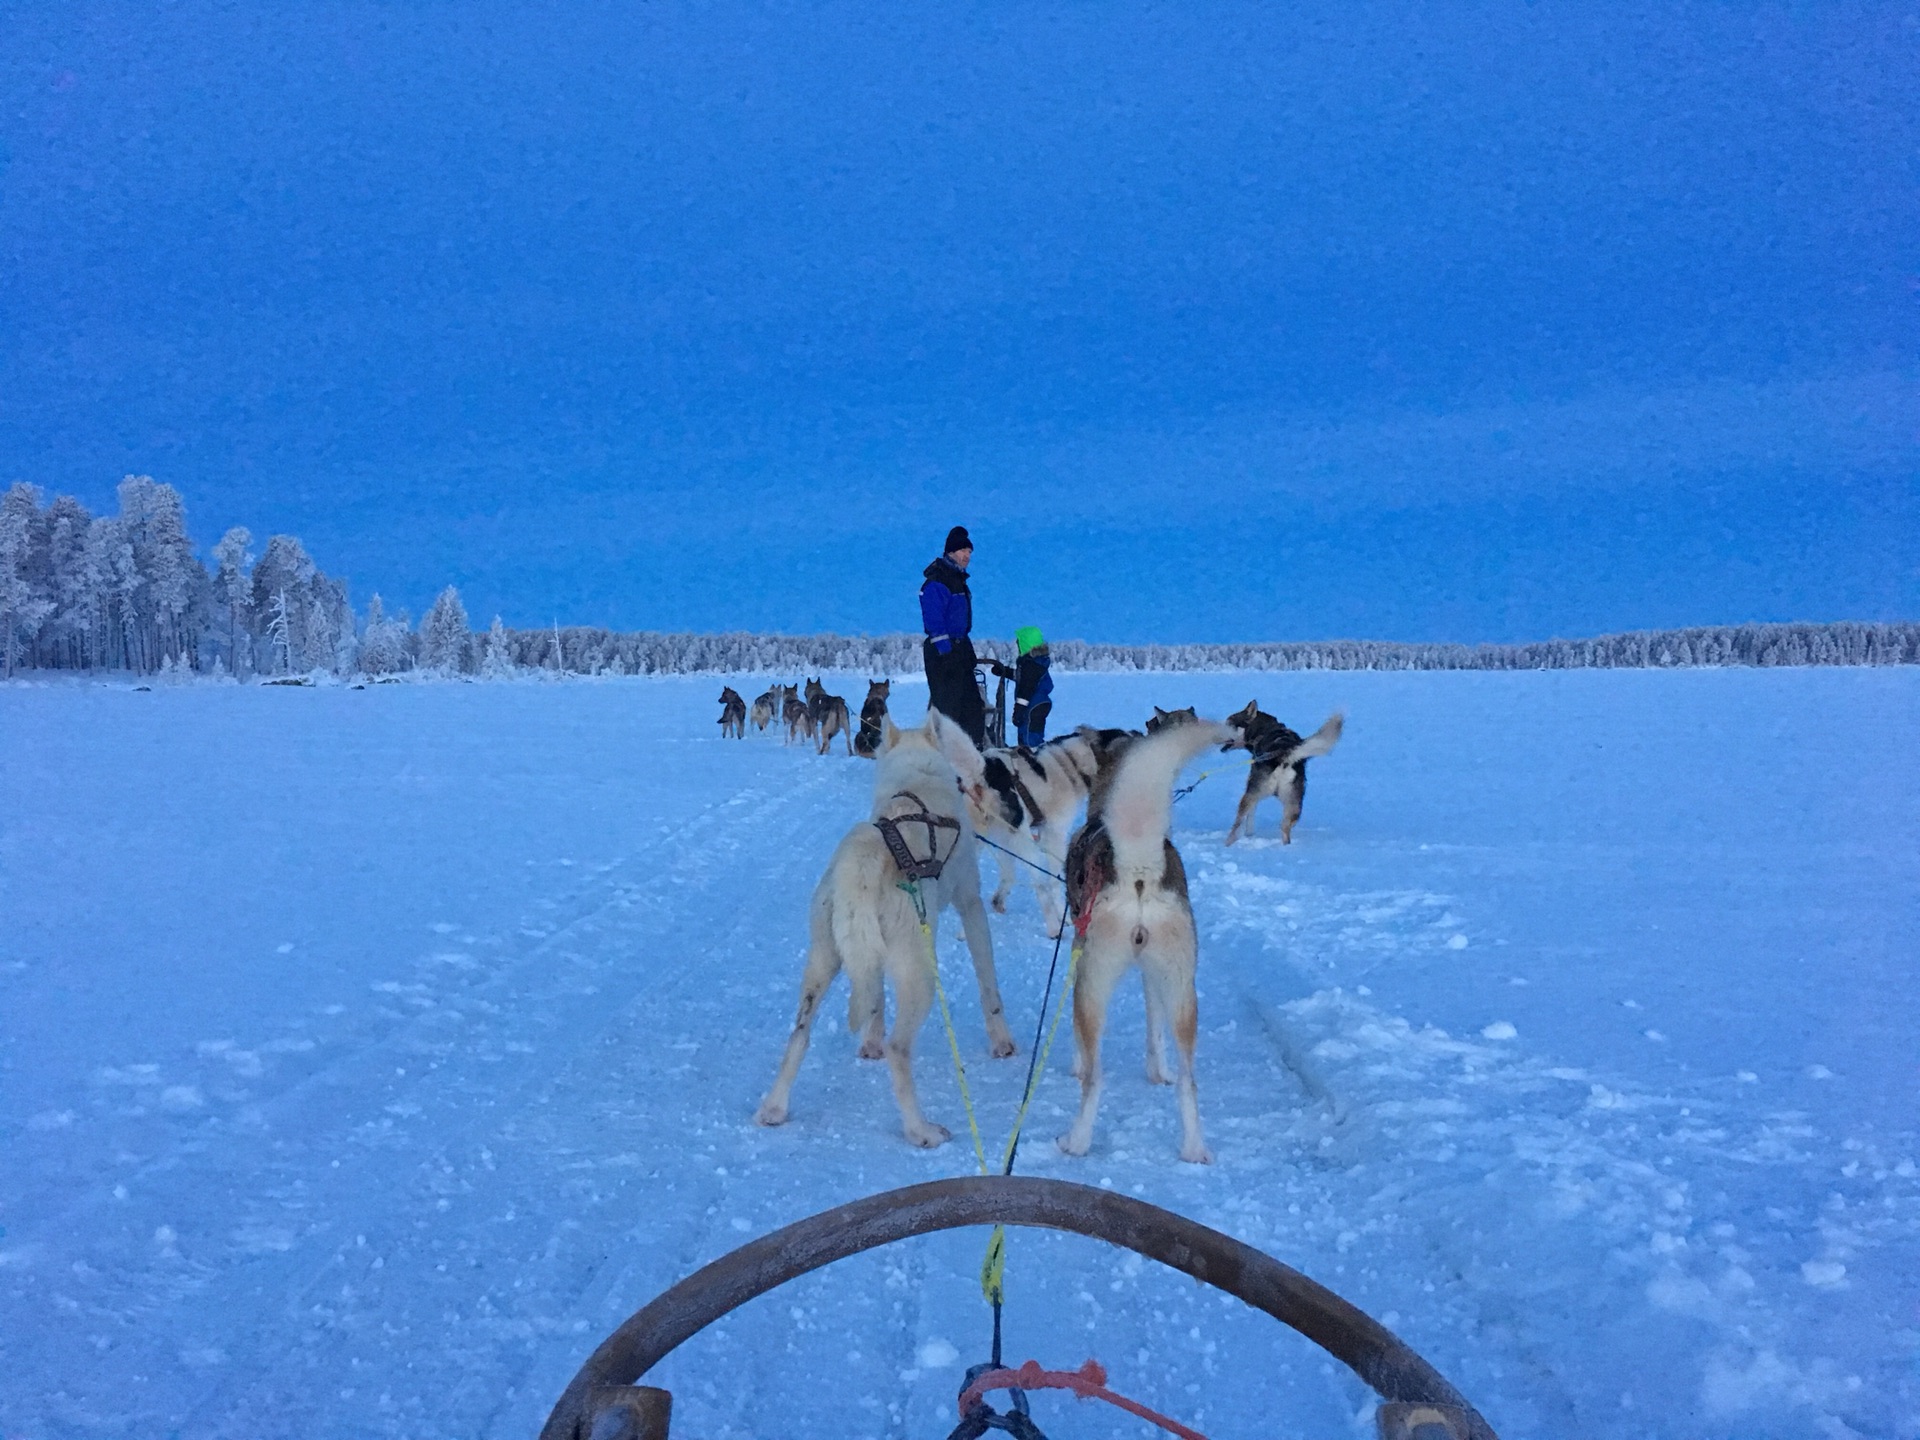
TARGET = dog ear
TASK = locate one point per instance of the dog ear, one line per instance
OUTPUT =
(959, 750)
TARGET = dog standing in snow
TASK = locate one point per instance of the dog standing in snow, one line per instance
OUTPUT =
(733, 713)
(1127, 886)
(795, 712)
(862, 921)
(765, 707)
(829, 714)
(1032, 799)
(1279, 765)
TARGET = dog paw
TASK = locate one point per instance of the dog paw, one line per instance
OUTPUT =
(1003, 1047)
(999, 904)
(928, 1136)
(1158, 1076)
(1072, 1144)
(871, 1050)
(1194, 1153)
(770, 1114)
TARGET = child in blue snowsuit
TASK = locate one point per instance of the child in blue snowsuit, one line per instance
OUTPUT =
(1032, 688)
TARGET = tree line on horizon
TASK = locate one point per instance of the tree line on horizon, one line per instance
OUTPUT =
(128, 592)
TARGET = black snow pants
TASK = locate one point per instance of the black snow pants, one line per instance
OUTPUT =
(950, 687)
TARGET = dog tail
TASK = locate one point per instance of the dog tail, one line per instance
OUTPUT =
(1138, 805)
(1320, 742)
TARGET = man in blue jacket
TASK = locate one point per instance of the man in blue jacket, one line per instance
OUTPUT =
(946, 614)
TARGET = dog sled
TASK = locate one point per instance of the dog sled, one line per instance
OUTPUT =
(605, 1402)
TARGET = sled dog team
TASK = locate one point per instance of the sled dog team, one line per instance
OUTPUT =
(809, 714)
(935, 795)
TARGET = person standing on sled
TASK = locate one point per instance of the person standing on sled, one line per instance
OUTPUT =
(1032, 688)
(946, 614)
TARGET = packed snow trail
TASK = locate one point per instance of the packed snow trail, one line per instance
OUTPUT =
(540, 952)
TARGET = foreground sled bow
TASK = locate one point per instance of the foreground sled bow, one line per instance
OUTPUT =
(602, 1402)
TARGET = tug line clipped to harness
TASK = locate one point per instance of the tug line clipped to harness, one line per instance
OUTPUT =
(1186, 790)
(1089, 1382)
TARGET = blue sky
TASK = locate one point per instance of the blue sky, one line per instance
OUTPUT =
(1474, 322)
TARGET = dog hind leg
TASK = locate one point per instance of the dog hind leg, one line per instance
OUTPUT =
(1156, 1033)
(1172, 976)
(973, 922)
(1290, 808)
(1093, 988)
(912, 999)
(823, 963)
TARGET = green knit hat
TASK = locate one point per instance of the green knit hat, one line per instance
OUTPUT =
(1028, 637)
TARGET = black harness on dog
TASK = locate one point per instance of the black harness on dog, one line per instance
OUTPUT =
(911, 865)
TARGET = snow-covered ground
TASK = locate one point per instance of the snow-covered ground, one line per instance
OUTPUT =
(366, 1055)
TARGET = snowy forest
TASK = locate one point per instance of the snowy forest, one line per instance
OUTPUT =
(128, 592)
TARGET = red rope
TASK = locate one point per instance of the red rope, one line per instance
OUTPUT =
(1089, 1382)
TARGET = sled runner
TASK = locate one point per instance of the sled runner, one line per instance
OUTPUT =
(602, 1402)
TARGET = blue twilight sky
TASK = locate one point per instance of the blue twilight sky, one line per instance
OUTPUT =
(1211, 321)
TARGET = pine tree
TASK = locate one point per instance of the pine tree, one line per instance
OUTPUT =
(444, 634)
(235, 589)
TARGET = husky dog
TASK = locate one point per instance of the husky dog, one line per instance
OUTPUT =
(1163, 718)
(1032, 797)
(765, 707)
(1279, 765)
(795, 712)
(872, 712)
(1127, 889)
(733, 713)
(862, 920)
(829, 714)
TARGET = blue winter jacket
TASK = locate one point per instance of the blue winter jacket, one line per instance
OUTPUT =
(946, 605)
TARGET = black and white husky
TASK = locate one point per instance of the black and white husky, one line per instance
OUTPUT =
(1032, 799)
(1279, 765)
(1127, 890)
(862, 921)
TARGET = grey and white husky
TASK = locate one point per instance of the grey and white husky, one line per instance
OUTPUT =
(733, 713)
(794, 711)
(829, 714)
(1127, 890)
(1279, 765)
(862, 921)
(765, 707)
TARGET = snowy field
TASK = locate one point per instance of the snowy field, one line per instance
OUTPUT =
(366, 1055)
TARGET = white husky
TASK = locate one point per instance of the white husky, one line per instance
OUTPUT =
(1125, 878)
(862, 920)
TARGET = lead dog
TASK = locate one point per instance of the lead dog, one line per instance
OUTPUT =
(1127, 887)
(1279, 765)
(862, 921)
(733, 713)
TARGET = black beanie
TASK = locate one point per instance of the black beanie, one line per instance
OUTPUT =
(957, 539)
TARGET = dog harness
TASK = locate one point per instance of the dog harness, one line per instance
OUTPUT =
(911, 865)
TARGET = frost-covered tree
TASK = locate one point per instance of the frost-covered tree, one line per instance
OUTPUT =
(234, 586)
(383, 645)
(280, 631)
(499, 656)
(25, 598)
(444, 634)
